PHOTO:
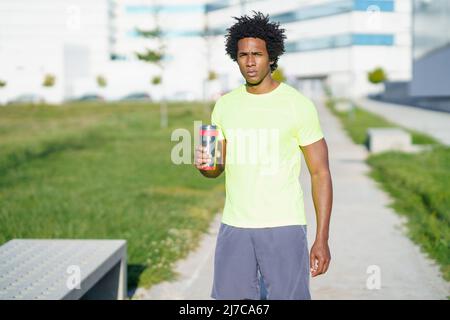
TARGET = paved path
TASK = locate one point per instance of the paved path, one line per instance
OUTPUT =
(433, 123)
(364, 233)
(195, 273)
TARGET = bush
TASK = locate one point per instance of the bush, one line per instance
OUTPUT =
(49, 80)
(278, 75)
(378, 75)
(101, 81)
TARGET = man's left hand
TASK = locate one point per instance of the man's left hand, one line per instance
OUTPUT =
(319, 258)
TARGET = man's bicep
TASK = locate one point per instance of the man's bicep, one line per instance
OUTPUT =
(316, 156)
(308, 128)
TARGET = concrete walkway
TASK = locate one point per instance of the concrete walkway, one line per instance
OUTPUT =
(365, 233)
(195, 273)
(433, 123)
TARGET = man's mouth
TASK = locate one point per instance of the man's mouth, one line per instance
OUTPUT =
(252, 73)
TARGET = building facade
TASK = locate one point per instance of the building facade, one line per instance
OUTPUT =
(329, 42)
(183, 68)
(431, 49)
(429, 87)
(78, 40)
(65, 39)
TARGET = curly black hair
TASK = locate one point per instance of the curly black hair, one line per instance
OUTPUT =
(257, 26)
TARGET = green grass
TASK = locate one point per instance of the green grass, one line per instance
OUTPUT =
(358, 120)
(419, 184)
(104, 172)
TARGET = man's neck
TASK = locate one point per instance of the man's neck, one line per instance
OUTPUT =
(265, 86)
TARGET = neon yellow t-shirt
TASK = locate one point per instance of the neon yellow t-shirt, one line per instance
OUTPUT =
(263, 159)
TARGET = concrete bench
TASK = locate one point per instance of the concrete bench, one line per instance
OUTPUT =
(344, 106)
(63, 269)
(385, 139)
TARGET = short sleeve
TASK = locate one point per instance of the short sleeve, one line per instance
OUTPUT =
(216, 119)
(308, 129)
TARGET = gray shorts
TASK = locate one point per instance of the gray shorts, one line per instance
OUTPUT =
(261, 263)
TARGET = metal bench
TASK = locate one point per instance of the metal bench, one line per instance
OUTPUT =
(63, 269)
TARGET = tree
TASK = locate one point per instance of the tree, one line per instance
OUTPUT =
(377, 75)
(212, 75)
(327, 90)
(156, 57)
(2, 85)
(156, 80)
(49, 80)
(101, 81)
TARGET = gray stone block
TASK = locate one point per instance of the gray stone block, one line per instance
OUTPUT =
(386, 139)
(344, 106)
(63, 269)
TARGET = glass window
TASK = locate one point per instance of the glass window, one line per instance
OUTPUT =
(431, 26)
(382, 5)
(332, 8)
(337, 41)
(373, 39)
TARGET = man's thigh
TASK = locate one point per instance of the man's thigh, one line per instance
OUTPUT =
(235, 266)
(283, 259)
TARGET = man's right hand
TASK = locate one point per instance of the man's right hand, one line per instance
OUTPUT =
(202, 157)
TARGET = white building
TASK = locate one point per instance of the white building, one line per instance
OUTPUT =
(182, 23)
(78, 40)
(329, 41)
(68, 39)
(333, 42)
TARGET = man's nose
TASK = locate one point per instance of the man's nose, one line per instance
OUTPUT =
(250, 61)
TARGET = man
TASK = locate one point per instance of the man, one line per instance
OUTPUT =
(263, 124)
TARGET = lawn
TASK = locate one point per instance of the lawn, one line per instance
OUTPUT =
(358, 120)
(103, 171)
(419, 184)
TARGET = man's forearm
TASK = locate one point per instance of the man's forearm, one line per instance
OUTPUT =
(322, 193)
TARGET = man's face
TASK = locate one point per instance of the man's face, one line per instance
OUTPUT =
(253, 59)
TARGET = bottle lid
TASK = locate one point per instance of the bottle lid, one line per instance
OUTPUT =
(209, 127)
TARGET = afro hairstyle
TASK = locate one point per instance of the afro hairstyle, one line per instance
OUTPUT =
(257, 26)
